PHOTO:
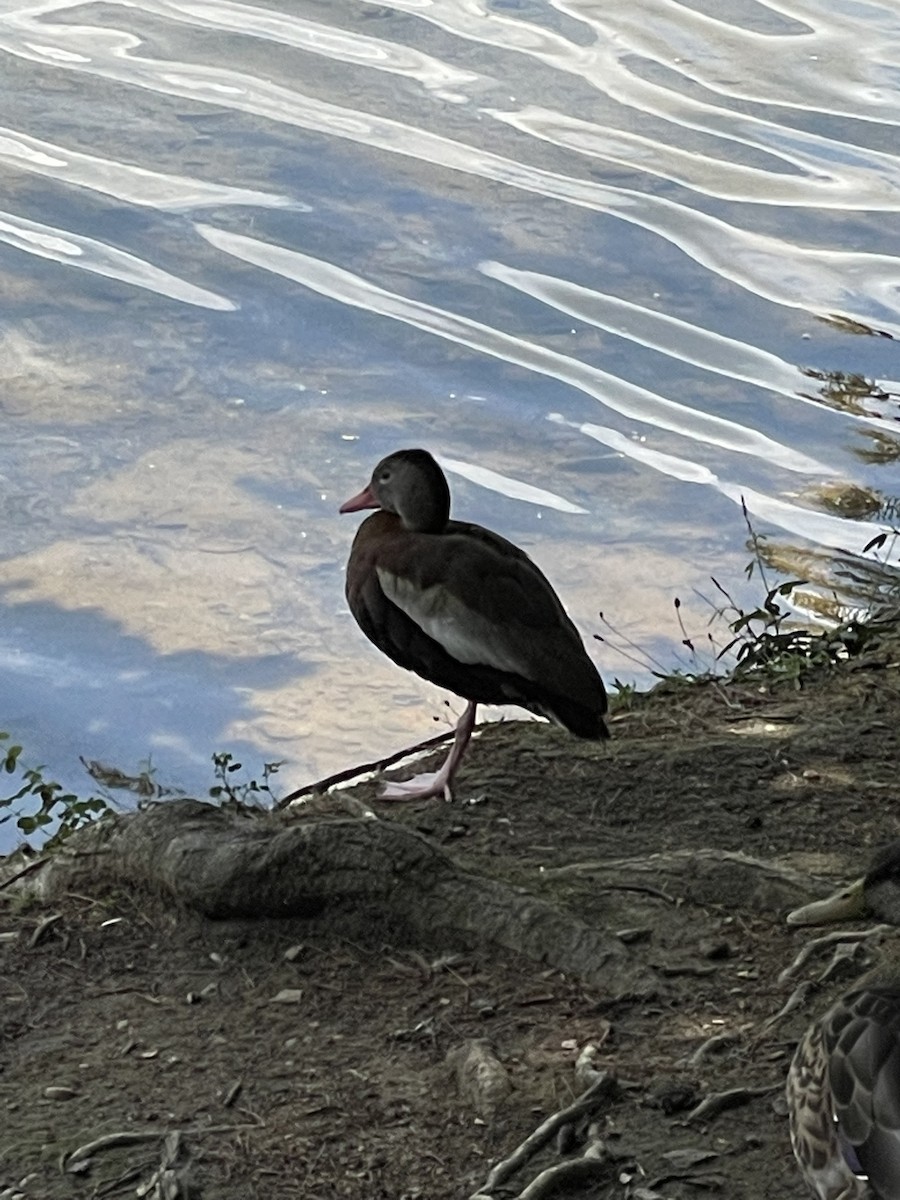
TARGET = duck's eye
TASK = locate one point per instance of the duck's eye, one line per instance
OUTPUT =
(384, 476)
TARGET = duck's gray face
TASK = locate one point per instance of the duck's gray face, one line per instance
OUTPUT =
(411, 484)
(380, 491)
(393, 481)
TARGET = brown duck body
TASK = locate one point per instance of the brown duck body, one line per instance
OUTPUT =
(464, 608)
(843, 1088)
(469, 611)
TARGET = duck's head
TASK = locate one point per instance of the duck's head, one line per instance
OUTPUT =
(876, 894)
(411, 484)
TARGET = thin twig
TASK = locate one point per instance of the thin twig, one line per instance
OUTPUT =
(636, 653)
(42, 927)
(713, 1045)
(381, 764)
(26, 870)
(109, 1141)
(798, 996)
(113, 1185)
(643, 888)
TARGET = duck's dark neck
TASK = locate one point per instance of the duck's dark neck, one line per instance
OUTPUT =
(427, 508)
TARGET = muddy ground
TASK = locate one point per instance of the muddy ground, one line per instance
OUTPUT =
(307, 1058)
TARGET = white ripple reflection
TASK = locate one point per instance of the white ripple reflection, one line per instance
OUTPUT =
(819, 57)
(839, 533)
(124, 181)
(873, 186)
(860, 286)
(657, 330)
(623, 397)
(342, 45)
(831, 168)
(667, 335)
(76, 250)
(515, 489)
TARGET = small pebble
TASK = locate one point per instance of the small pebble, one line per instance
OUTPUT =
(288, 996)
(629, 936)
(715, 950)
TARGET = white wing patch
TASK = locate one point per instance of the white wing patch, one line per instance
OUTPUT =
(465, 634)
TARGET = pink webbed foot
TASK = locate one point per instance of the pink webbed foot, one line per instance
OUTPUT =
(423, 787)
(420, 787)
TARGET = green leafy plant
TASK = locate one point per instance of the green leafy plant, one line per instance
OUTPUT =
(246, 793)
(42, 806)
(770, 639)
(55, 806)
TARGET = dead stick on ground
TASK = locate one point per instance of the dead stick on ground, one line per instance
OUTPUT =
(712, 1044)
(595, 1095)
(42, 927)
(645, 888)
(381, 764)
(133, 1137)
(109, 1141)
(34, 865)
(719, 1102)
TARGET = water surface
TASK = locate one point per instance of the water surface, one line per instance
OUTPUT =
(622, 268)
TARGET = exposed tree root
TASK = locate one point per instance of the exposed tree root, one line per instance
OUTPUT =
(592, 1163)
(231, 865)
(703, 876)
(829, 941)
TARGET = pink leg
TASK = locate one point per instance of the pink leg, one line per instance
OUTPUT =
(440, 783)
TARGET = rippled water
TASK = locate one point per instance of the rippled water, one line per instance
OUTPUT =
(620, 266)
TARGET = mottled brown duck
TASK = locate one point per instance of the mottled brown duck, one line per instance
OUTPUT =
(843, 1087)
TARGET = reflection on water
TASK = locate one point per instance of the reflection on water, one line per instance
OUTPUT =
(623, 268)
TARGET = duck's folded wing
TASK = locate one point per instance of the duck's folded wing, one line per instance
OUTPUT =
(488, 608)
(862, 1036)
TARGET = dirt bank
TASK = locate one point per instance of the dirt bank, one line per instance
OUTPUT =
(307, 1058)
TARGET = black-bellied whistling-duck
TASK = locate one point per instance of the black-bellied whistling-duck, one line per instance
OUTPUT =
(464, 608)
